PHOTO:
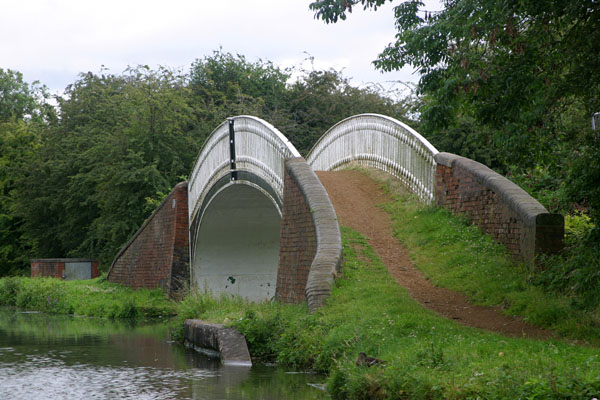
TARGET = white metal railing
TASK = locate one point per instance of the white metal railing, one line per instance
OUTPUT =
(381, 142)
(259, 148)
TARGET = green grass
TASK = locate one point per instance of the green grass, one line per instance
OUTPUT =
(456, 255)
(95, 297)
(427, 356)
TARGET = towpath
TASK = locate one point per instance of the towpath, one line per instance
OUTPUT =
(355, 197)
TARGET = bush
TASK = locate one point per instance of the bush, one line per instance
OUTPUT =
(575, 273)
(578, 226)
(9, 289)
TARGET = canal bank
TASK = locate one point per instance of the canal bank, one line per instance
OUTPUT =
(425, 355)
(66, 357)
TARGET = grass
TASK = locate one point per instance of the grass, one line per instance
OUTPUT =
(427, 356)
(456, 255)
(96, 297)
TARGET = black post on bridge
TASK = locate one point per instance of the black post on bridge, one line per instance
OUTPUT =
(232, 150)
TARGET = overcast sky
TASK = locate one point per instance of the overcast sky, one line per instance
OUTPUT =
(54, 40)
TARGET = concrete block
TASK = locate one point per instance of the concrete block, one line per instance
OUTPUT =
(229, 343)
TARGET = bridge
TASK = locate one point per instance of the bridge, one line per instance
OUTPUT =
(254, 220)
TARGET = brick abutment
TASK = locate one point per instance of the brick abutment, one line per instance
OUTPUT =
(158, 254)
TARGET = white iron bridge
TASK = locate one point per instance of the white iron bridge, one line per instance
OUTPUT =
(236, 191)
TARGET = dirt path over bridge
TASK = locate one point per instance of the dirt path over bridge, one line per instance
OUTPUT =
(355, 198)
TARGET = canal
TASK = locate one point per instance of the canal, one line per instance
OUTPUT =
(65, 357)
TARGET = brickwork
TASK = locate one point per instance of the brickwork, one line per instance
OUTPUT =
(310, 251)
(55, 267)
(297, 246)
(158, 254)
(499, 207)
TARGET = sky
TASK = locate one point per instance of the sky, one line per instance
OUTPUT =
(52, 41)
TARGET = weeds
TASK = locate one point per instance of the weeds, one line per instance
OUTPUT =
(95, 297)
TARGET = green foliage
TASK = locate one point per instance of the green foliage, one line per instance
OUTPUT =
(225, 85)
(9, 288)
(576, 274)
(584, 174)
(261, 333)
(578, 227)
(20, 100)
(122, 142)
(96, 297)
(263, 324)
(321, 99)
(24, 113)
(544, 185)
(512, 84)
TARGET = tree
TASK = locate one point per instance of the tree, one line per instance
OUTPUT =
(320, 99)
(224, 85)
(516, 77)
(20, 100)
(122, 142)
(24, 113)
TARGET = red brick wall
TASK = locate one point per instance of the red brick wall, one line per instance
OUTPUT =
(180, 264)
(157, 255)
(298, 244)
(499, 207)
(47, 268)
(95, 270)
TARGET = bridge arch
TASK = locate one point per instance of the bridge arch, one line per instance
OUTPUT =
(235, 197)
(381, 142)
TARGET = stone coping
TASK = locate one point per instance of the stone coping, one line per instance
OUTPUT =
(509, 193)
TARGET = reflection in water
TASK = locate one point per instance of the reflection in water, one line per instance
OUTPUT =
(59, 357)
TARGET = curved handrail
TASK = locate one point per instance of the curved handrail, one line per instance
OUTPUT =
(260, 148)
(381, 142)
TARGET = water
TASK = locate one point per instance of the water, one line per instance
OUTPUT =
(64, 357)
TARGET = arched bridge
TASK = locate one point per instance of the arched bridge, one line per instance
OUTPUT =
(235, 207)
(255, 221)
(236, 195)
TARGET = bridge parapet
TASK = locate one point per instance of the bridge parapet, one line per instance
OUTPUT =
(499, 207)
(381, 142)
